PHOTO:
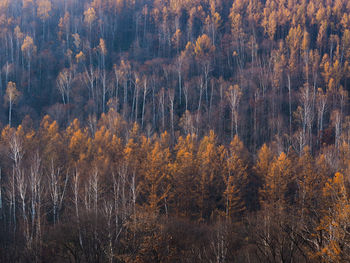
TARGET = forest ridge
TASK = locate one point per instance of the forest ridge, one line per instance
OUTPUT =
(174, 131)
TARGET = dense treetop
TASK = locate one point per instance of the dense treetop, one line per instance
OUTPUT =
(266, 70)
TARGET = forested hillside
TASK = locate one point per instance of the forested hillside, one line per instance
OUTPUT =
(174, 131)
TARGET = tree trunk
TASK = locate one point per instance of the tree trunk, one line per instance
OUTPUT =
(290, 106)
(10, 112)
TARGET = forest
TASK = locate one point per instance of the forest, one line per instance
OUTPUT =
(174, 131)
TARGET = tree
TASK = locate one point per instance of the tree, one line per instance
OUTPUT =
(19, 36)
(43, 12)
(275, 188)
(53, 145)
(145, 90)
(309, 184)
(154, 186)
(64, 26)
(11, 97)
(90, 76)
(103, 75)
(211, 160)
(29, 49)
(179, 68)
(44, 8)
(161, 99)
(234, 95)
(336, 121)
(335, 223)
(183, 170)
(64, 84)
(124, 74)
(238, 36)
(171, 96)
(262, 165)
(321, 103)
(307, 113)
(213, 23)
(89, 18)
(236, 179)
(233, 198)
(294, 44)
(271, 25)
(79, 145)
(57, 191)
(264, 160)
(204, 51)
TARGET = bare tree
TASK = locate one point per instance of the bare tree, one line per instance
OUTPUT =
(145, 90)
(307, 112)
(201, 88)
(29, 50)
(64, 84)
(219, 243)
(336, 121)
(11, 96)
(89, 77)
(161, 98)
(103, 80)
(103, 52)
(36, 189)
(171, 95)
(179, 62)
(124, 73)
(108, 213)
(21, 184)
(57, 189)
(186, 96)
(76, 204)
(321, 106)
(94, 182)
(234, 95)
(135, 101)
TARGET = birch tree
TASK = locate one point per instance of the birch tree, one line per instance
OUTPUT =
(11, 97)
